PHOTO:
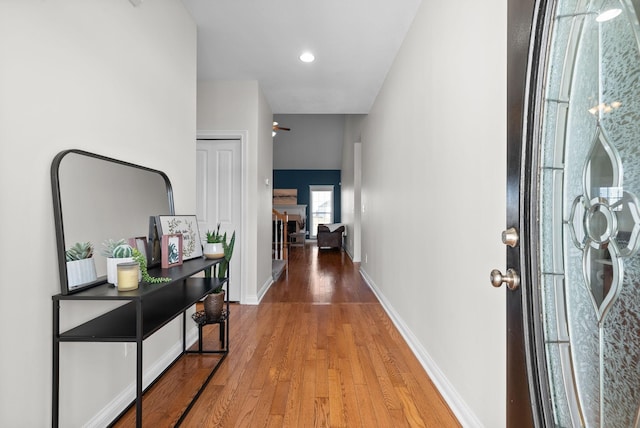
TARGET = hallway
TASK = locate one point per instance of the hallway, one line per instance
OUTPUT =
(319, 351)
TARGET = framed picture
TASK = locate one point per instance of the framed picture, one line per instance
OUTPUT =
(171, 250)
(285, 196)
(187, 225)
(140, 243)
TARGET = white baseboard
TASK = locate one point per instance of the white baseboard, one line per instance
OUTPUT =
(122, 400)
(255, 299)
(265, 287)
(458, 406)
(348, 252)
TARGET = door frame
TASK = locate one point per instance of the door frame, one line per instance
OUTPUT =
(242, 136)
(528, 398)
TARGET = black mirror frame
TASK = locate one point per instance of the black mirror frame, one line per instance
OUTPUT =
(58, 215)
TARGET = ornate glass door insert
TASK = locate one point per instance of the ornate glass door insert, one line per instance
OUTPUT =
(588, 183)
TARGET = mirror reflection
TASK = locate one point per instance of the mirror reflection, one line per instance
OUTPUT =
(98, 198)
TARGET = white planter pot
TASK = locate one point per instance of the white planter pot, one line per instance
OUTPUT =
(80, 272)
(213, 251)
(112, 269)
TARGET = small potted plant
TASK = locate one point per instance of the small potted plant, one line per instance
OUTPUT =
(214, 302)
(81, 268)
(116, 252)
(214, 249)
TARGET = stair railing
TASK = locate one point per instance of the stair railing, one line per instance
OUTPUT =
(280, 243)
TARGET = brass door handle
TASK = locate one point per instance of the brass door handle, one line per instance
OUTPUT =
(511, 278)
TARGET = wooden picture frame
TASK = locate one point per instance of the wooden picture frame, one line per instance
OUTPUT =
(140, 243)
(171, 250)
(187, 225)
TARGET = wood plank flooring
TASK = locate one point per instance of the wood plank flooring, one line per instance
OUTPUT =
(319, 351)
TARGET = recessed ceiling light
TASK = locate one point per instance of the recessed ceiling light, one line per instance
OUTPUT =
(608, 15)
(307, 57)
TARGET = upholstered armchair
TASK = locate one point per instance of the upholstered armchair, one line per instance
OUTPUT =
(330, 235)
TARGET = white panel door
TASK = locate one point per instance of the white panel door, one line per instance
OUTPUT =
(219, 195)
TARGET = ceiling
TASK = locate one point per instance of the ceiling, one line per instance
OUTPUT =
(354, 42)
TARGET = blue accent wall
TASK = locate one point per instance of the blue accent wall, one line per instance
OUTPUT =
(301, 179)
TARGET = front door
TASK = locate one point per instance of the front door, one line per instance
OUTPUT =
(574, 184)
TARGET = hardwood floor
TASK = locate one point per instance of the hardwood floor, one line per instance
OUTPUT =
(319, 351)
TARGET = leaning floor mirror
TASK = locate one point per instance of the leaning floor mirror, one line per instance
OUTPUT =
(97, 198)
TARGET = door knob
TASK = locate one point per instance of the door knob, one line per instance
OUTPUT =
(511, 278)
(510, 237)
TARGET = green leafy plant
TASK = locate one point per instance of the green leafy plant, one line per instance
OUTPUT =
(214, 237)
(116, 249)
(142, 261)
(223, 266)
(228, 252)
(80, 251)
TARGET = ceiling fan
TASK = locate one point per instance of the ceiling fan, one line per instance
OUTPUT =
(277, 128)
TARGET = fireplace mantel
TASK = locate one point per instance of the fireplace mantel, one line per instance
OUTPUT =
(300, 210)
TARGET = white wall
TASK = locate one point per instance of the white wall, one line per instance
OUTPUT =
(264, 198)
(105, 77)
(433, 192)
(241, 106)
(351, 184)
(314, 142)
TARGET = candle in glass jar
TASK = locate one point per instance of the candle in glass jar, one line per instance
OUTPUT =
(128, 276)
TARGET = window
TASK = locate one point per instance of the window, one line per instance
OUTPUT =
(321, 207)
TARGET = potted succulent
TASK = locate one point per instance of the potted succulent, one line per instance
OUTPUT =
(81, 268)
(214, 249)
(214, 302)
(116, 252)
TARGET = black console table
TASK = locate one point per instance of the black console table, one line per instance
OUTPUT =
(149, 308)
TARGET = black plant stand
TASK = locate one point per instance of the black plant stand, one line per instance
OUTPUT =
(200, 319)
